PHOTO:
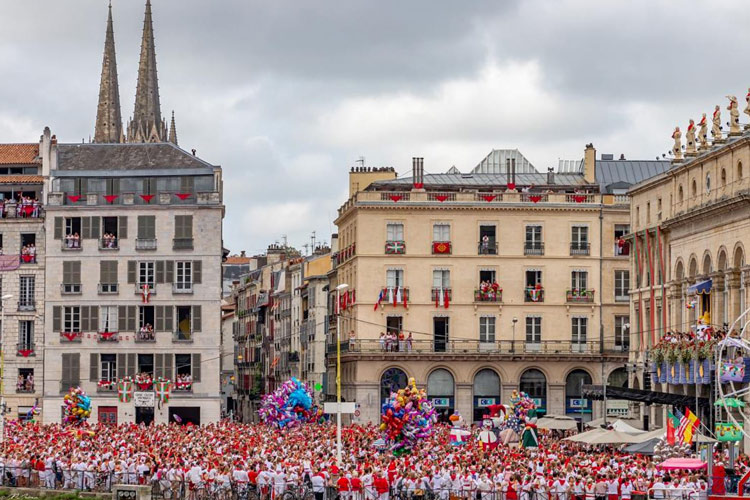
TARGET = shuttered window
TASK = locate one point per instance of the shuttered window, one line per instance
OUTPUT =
(164, 322)
(196, 368)
(126, 318)
(122, 227)
(72, 272)
(183, 226)
(146, 227)
(197, 318)
(71, 370)
(108, 271)
(197, 271)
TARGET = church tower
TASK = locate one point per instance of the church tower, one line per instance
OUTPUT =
(147, 124)
(108, 115)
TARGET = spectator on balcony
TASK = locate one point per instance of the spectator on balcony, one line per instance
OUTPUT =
(21, 383)
(409, 342)
(352, 340)
(485, 243)
(109, 240)
(382, 341)
(401, 341)
(73, 240)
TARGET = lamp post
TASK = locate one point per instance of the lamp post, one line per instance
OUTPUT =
(2, 367)
(513, 342)
(339, 289)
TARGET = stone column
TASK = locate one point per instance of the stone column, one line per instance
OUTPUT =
(555, 399)
(732, 280)
(463, 400)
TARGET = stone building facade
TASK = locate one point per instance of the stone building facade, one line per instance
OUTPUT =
(498, 280)
(134, 250)
(691, 225)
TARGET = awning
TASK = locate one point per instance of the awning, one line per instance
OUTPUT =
(641, 396)
(702, 287)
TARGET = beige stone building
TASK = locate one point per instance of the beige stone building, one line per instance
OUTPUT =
(692, 227)
(499, 279)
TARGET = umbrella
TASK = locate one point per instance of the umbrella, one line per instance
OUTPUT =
(602, 436)
(633, 423)
(557, 423)
(682, 463)
(643, 448)
(730, 403)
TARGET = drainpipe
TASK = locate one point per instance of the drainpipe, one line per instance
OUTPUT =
(601, 300)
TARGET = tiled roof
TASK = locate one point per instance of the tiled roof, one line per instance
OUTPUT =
(236, 259)
(19, 154)
(161, 155)
(21, 179)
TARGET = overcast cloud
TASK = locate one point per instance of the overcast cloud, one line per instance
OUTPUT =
(286, 95)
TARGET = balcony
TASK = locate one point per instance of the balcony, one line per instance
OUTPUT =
(109, 243)
(144, 336)
(395, 296)
(68, 337)
(107, 337)
(442, 297)
(579, 296)
(25, 210)
(70, 288)
(145, 243)
(106, 386)
(69, 244)
(294, 357)
(182, 337)
(182, 288)
(579, 248)
(182, 244)
(533, 294)
(26, 349)
(26, 305)
(27, 258)
(487, 247)
(441, 248)
(395, 247)
(103, 198)
(506, 347)
(533, 248)
(25, 388)
(183, 385)
(108, 289)
(488, 295)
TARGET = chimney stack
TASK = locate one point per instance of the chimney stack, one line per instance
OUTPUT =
(417, 172)
(589, 164)
(550, 176)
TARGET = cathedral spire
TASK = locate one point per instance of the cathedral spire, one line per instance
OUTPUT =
(147, 124)
(108, 116)
(173, 131)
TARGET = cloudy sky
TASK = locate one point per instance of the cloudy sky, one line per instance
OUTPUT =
(287, 95)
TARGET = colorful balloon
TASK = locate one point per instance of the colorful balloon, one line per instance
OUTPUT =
(406, 417)
(77, 407)
(289, 405)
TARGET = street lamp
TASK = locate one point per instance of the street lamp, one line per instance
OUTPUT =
(339, 289)
(513, 342)
(2, 367)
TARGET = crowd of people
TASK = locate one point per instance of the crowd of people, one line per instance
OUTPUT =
(227, 457)
(146, 333)
(109, 240)
(72, 240)
(391, 341)
(28, 253)
(25, 383)
(25, 206)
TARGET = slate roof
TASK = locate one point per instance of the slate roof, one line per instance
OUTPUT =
(481, 180)
(162, 155)
(19, 154)
(629, 171)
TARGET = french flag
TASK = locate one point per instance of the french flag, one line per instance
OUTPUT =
(380, 299)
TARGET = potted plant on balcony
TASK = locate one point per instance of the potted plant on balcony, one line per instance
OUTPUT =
(659, 368)
(686, 357)
(703, 365)
(673, 370)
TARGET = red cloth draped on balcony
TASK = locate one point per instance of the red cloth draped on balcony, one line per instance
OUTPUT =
(395, 197)
(489, 197)
(182, 196)
(535, 198)
(110, 198)
(25, 352)
(71, 335)
(28, 210)
(107, 335)
(74, 198)
(147, 197)
(441, 197)
(579, 198)
(418, 185)
(511, 186)
(439, 247)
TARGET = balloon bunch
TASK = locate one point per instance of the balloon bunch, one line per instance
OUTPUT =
(406, 417)
(33, 412)
(77, 407)
(289, 405)
(521, 405)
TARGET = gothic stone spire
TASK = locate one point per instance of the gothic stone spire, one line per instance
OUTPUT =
(108, 115)
(147, 124)
(173, 131)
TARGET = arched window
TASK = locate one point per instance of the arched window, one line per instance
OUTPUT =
(708, 183)
(707, 265)
(392, 380)
(534, 383)
(618, 378)
(680, 194)
(575, 404)
(486, 392)
(440, 390)
(739, 170)
(723, 177)
(694, 189)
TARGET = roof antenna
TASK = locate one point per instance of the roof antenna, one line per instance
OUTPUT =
(361, 161)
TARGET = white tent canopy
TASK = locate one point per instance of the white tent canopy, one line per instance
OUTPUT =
(557, 423)
(631, 426)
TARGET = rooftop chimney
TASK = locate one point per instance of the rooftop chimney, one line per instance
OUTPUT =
(417, 172)
(622, 156)
(550, 176)
(589, 164)
(242, 254)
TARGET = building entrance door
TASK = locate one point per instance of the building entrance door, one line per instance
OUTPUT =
(440, 335)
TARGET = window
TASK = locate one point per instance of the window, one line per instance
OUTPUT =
(441, 279)
(487, 240)
(394, 232)
(622, 247)
(739, 170)
(146, 364)
(533, 278)
(638, 215)
(108, 319)
(534, 243)
(622, 285)
(680, 195)
(146, 227)
(26, 335)
(110, 233)
(71, 370)
(25, 380)
(579, 331)
(441, 232)
(28, 248)
(146, 274)
(71, 277)
(394, 278)
(27, 287)
(579, 240)
(71, 319)
(648, 212)
(108, 367)
(185, 323)
(708, 183)
(183, 232)
(184, 368)
(694, 189)
(723, 177)
(579, 280)
(72, 226)
(487, 329)
(622, 333)
(108, 276)
(533, 329)
(184, 276)
(487, 276)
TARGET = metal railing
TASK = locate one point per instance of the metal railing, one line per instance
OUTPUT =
(442, 294)
(180, 336)
(70, 288)
(505, 346)
(487, 247)
(107, 337)
(395, 247)
(182, 244)
(27, 258)
(441, 247)
(533, 248)
(533, 294)
(27, 305)
(145, 243)
(579, 296)
(151, 288)
(26, 349)
(391, 295)
(71, 337)
(68, 243)
(108, 288)
(488, 296)
(109, 243)
(579, 248)
(182, 288)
